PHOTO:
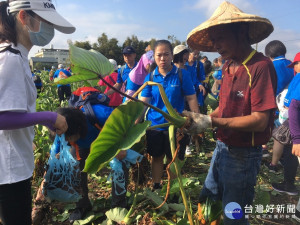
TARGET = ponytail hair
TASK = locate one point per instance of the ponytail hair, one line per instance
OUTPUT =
(8, 31)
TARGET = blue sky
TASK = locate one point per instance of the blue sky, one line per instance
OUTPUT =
(160, 18)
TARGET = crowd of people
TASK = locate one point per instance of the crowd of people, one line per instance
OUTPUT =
(254, 91)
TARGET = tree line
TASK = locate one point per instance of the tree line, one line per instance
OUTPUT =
(111, 49)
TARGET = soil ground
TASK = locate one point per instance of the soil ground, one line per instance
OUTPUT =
(196, 165)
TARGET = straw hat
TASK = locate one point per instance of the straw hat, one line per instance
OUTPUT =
(226, 13)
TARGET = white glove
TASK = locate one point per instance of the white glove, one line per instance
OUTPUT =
(197, 123)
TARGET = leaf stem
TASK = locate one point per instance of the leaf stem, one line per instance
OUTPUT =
(179, 177)
(174, 119)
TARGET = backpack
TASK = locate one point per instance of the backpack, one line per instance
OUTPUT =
(85, 97)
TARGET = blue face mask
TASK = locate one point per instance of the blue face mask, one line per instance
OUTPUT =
(43, 36)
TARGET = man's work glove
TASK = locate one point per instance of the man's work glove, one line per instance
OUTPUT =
(196, 123)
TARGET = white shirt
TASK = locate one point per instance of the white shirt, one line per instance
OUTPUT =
(18, 93)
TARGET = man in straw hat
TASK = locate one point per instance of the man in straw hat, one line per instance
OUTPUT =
(246, 110)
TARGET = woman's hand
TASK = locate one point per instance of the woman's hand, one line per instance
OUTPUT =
(121, 155)
(296, 149)
(60, 124)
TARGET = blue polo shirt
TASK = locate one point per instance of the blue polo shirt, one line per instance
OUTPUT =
(102, 112)
(293, 91)
(175, 91)
(126, 71)
(218, 74)
(193, 74)
(201, 71)
(284, 74)
(61, 72)
(196, 83)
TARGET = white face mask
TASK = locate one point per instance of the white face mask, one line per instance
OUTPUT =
(43, 36)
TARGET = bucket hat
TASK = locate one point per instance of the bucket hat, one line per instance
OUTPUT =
(46, 10)
(227, 13)
(179, 48)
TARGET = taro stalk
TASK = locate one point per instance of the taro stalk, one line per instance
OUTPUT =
(120, 131)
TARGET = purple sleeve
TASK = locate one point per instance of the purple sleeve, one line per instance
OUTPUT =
(294, 120)
(16, 120)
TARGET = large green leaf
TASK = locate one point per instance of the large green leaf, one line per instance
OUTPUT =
(116, 214)
(89, 218)
(87, 64)
(119, 133)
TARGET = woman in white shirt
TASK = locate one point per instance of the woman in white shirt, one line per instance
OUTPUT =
(23, 24)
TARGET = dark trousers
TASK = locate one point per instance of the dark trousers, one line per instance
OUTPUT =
(290, 164)
(15, 203)
(84, 202)
(64, 92)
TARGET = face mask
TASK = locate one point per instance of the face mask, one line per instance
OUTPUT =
(43, 36)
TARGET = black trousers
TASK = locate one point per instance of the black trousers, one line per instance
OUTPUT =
(15, 203)
(290, 164)
(64, 92)
(84, 202)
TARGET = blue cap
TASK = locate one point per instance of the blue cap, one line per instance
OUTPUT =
(128, 50)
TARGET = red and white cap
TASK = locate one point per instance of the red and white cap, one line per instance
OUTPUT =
(46, 10)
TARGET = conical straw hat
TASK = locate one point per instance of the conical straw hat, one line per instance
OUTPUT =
(226, 13)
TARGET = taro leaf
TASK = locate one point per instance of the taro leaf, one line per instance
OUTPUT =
(215, 211)
(76, 78)
(262, 197)
(163, 222)
(156, 200)
(87, 65)
(89, 218)
(116, 214)
(107, 222)
(180, 164)
(63, 217)
(176, 207)
(175, 185)
(183, 221)
(119, 133)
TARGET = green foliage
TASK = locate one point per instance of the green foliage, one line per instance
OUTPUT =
(87, 65)
(139, 46)
(116, 214)
(88, 219)
(212, 210)
(112, 50)
(109, 48)
(84, 44)
(119, 133)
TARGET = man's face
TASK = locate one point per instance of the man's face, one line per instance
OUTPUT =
(224, 41)
(193, 56)
(129, 58)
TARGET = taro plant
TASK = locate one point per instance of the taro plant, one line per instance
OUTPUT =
(121, 131)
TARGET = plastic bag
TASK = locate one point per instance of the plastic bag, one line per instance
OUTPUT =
(117, 174)
(62, 180)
